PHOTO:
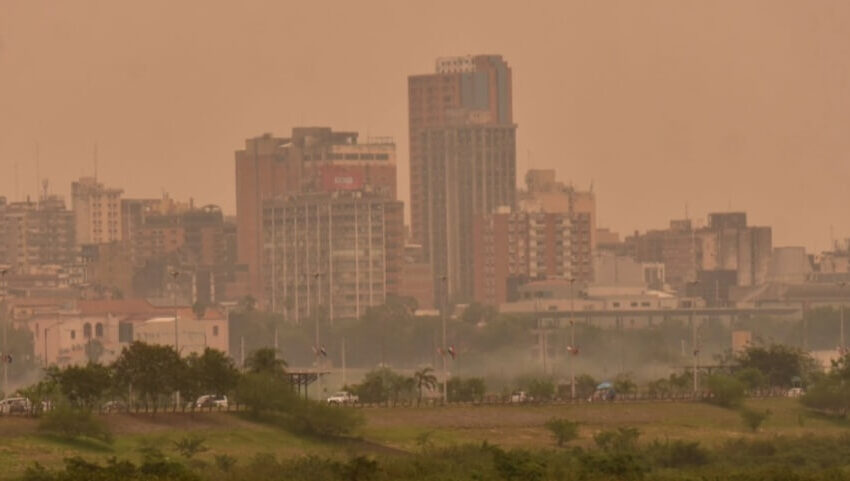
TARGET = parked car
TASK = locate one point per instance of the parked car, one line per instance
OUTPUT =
(795, 392)
(519, 397)
(343, 397)
(15, 405)
(114, 407)
(211, 401)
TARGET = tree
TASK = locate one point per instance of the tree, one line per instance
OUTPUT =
(465, 390)
(751, 377)
(563, 430)
(585, 386)
(94, 350)
(400, 385)
(541, 389)
(380, 385)
(199, 309)
(778, 363)
(215, 371)
(151, 371)
(623, 384)
(265, 361)
(263, 392)
(84, 386)
(726, 391)
(424, 379)
(831, 392)
(41, 393)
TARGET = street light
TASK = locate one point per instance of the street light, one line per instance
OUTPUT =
(841, 285)
(174, 275)
(694, 338)
(3, 273)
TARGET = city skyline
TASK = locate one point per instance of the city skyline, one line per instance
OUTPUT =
(726, 105)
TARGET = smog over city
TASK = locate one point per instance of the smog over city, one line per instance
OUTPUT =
(383, 240)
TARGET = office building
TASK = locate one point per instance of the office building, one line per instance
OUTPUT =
(97, 210)
(331, 254)
(312, 159)
(462, 161)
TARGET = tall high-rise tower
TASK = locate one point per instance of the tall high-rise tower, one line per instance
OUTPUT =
(462, 161)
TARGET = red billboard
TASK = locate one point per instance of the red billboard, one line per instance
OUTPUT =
(336, 178)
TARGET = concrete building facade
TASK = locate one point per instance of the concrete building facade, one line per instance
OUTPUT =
(97, 210)
(331, 255)
(519, 246)
(543, 193)
(37, 233)
(462, 161)
(312, 159)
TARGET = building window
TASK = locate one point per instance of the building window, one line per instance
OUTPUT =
(73, 334)
(215, 330)
(98, 330)
(87, 330)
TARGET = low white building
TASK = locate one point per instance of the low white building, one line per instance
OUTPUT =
(101, 329)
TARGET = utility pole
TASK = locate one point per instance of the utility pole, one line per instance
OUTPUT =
(843, 346)
(445, 280)
(694, 337)
(317, 314)
(175, 275)
(344, 377)
(5, 334)
(573, 352)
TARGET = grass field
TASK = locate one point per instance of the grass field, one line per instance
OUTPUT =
(402, 429)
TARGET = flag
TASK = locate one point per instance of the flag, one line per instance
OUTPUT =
(572, 350)
(323, 352)
(452, 352)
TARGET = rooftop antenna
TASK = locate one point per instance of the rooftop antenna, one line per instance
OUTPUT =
(17, 184)
(95, 161)
(37, 169)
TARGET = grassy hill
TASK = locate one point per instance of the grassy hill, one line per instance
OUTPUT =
(397, 430)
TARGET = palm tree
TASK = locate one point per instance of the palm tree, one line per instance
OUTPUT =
(424, 380)
(265, 360)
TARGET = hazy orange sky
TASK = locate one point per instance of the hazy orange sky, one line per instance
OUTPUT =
(658, 103)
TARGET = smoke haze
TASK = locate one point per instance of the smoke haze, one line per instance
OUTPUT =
(658, 103)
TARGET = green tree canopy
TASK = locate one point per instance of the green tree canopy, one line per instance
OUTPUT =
(151, 371)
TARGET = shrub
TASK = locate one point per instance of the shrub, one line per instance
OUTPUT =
(189, 446)
(751, 377)
(725, 390)
(562, 430)
(465, 390)
(623, 439)
(541, 389)
(678, 454)
(224, 462)
(70, 423)
(753, 419)
(308, 417)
